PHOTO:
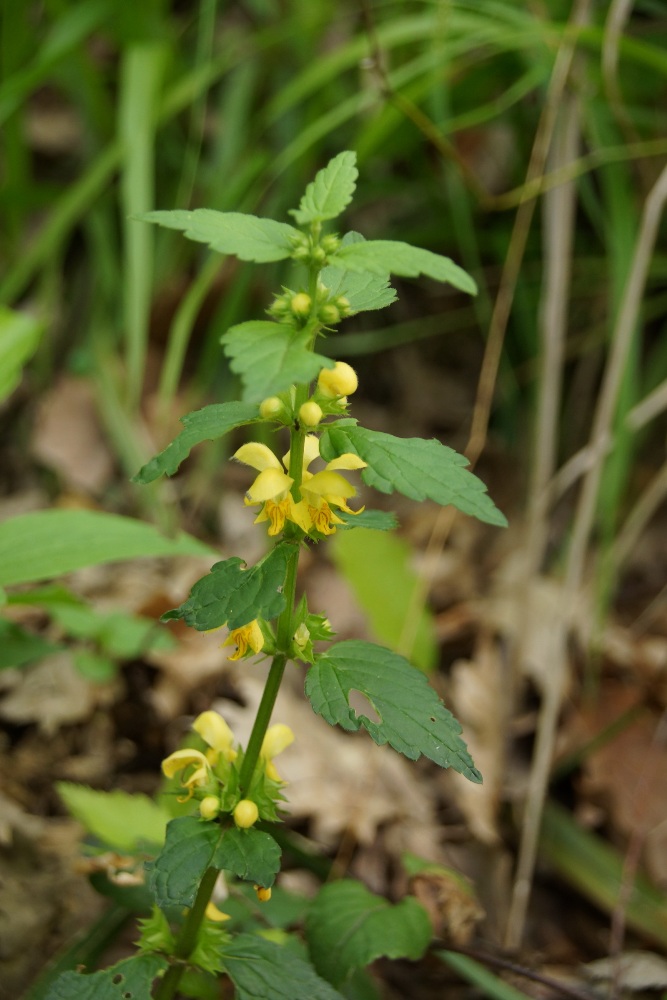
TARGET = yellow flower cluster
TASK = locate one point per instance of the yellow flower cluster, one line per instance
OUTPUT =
(204, 775)
(321, 493)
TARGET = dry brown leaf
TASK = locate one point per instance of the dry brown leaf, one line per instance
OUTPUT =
(68, 439)
(627, 774)
(450, 901)
(52, 693)
(479, 698)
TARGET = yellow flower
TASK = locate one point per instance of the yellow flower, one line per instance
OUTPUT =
(249, 636)
(217, 735)
(213, 913)
(271, 489)
(277, 739)
(326, 489)
(181, 760)
(263, 895)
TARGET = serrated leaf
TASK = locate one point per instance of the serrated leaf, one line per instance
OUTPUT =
(413, 719)
(235, 596)
(348, 927)
(207, 424)
(263, 970)
(363, 290)
(270, 357)
(330, 192)
(248, 237)
(417, 468)
(174, 877)
(252, 855)
(394, 257)
(48, 543)
(123, 821)
(132, 977)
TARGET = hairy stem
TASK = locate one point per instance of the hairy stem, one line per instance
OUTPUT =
(187, 937)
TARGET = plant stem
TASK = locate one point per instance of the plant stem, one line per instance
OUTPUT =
(187, 938)
(285, 630)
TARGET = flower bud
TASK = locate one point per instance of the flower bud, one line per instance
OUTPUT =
(209, 807)
(301, 636)
(318, 256)
(270, 407)
(301, 254)
(329, 315)
(280, 306)
(341, 380)
(330, 243)
(310, 414)
(263, 895)
(246, 814)
(343, 305)
(300, 304)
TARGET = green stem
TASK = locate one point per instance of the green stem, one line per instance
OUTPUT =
(187, 937)
(285, 630)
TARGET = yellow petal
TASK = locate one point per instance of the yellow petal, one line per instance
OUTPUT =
(311, 449)
(347, 461)
(277, 739)
(327, 483)
(180, 759)
(299, 514)
(214, 731)
(269, 485)
(213, 913)
(257, 456)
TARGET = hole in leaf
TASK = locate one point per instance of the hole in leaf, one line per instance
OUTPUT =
(117, 979)
(360, 705)
(432, 718)
(127, 996)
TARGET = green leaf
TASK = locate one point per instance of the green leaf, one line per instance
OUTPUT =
(270, 357)
(417, 468)
(377, 520)
(348, 927)
(207, 424)
(20, 334)
(174, 876)
(123, 821)
(330, 192)
(246, 236)
(18, 646)
(394, 257)
(263, 970)
(94, 666)
(52, 542)
(363, 290)
(377, 567)
(132, 977)
(252, 855)
(412, 718)
(235, 596)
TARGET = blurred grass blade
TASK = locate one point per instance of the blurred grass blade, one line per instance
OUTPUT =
(140, 82)
(486, 982)
(376, 565)
(595, 869)
(70, 29)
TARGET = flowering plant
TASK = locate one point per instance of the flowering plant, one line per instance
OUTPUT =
(234, 794)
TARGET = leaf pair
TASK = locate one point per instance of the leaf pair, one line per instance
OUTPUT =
(251, 238)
